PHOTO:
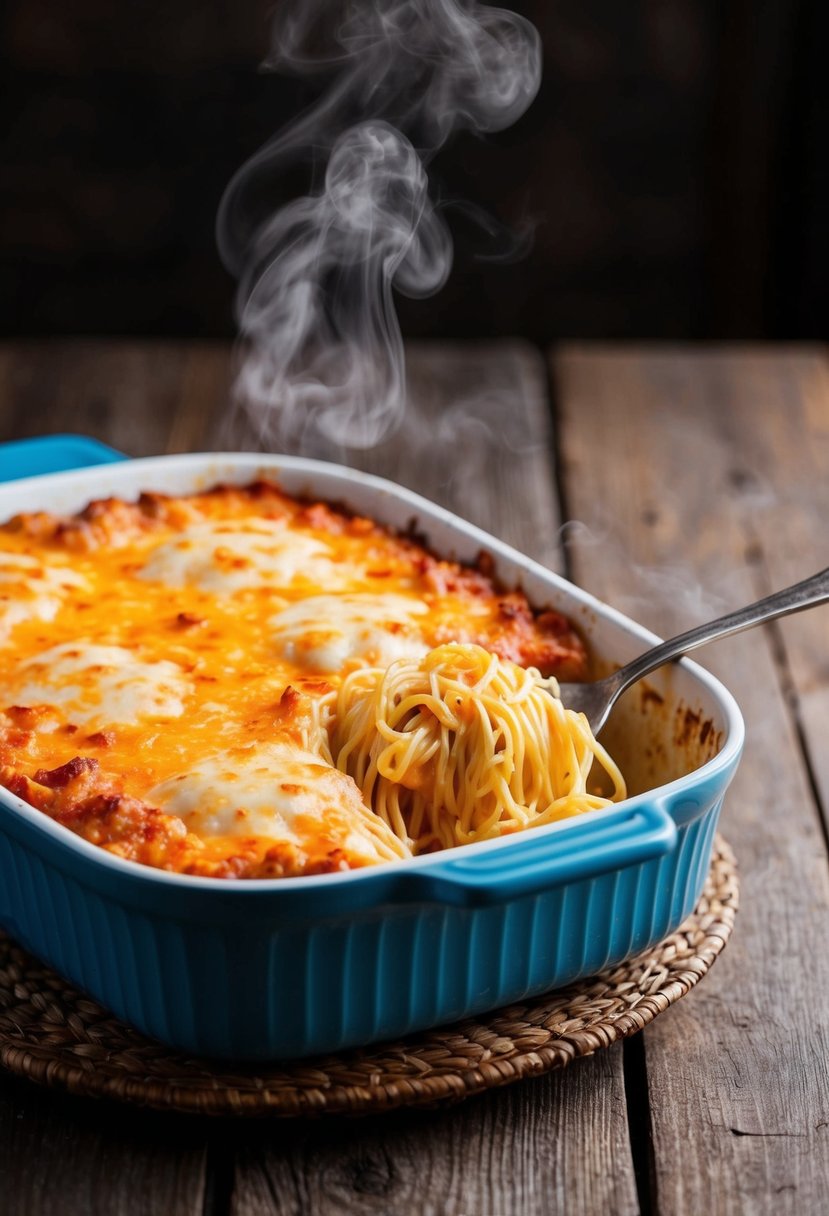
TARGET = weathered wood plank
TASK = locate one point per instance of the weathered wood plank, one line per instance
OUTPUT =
(783, 478)
(683, 465)
(203, 398)
(550, 1145)
(60, 1154)
(475, 437)
(557, 1144)
(142, 397)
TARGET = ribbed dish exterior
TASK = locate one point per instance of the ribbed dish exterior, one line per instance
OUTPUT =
(320, 984)
(298, 967)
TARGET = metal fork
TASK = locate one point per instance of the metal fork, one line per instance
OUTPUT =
(597, 699)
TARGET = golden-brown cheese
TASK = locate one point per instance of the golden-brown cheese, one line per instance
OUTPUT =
(167, 656)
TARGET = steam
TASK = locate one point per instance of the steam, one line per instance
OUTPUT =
(324, 366)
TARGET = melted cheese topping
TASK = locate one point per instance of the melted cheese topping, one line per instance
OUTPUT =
(223, 558)
(99, 685)
(274, 790)
(163, 658)
(328, 632)
(29, 589)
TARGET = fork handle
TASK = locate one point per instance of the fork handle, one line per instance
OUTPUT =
(811, 591)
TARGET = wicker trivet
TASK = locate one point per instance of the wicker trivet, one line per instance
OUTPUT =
(53, 1034)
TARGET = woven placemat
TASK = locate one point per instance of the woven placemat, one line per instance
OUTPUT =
(53, 1034)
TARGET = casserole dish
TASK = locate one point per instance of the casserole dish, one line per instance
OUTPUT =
(270, 968)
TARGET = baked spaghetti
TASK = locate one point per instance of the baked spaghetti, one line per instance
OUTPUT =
(241, 684)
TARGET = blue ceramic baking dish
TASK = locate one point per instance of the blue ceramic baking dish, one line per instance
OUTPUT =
(285, 968)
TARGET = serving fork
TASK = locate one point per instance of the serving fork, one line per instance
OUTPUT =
(597, 699)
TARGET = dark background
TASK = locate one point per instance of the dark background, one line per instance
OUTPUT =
(674, 168)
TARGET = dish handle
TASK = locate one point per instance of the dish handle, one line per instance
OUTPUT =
(52, 454)
(593, 845)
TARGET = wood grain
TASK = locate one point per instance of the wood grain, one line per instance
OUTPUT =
(476, 437)
(555, 1144)
(696, 475)
(144, 398)
(64, 1155)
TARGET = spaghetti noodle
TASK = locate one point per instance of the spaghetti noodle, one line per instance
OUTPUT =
(460, 746)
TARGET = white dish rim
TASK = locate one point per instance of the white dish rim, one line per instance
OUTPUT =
(143, 468)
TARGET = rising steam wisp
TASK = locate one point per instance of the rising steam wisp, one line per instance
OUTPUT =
(323, 367)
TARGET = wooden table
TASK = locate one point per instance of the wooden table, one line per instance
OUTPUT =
(700, 480)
